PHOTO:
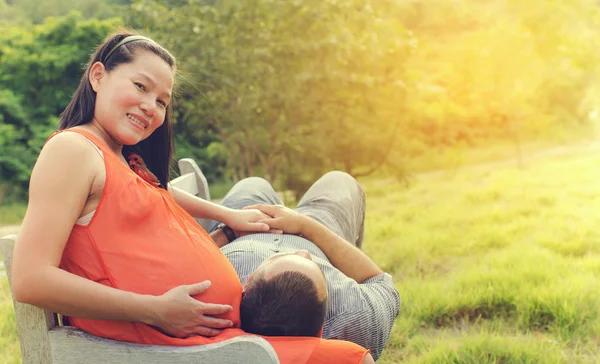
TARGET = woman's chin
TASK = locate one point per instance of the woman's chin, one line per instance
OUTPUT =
(131, 138)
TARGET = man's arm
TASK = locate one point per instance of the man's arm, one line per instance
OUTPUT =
(344, 256)
(370, 326)
(218, 236)
(368, 314)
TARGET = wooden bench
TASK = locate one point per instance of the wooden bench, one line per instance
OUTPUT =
(44, 341)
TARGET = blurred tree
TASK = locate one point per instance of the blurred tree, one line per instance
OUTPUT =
(565, 35)
(289, 89)
(490, 70)
(39, 70)
(10, 14)
(275, 82)
(37, 11)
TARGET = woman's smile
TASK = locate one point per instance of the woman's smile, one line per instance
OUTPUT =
(137, 121)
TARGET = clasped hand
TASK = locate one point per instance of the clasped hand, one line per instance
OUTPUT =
(247, 220)
(280, 218)
(250, 220)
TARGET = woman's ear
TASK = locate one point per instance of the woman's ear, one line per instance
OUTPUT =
(97, 72)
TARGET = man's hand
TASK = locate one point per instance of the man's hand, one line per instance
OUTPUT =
(281, 218)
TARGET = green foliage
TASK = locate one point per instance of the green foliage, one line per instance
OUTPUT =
(280, 83)
(290, 89)
(10, 14)
(14, 143)
(36, 12)
(498, 70)
(39, 70)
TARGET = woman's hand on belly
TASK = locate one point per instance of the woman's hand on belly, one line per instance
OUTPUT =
(178, 314)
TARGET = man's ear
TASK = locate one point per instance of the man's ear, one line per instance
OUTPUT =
(97, 72)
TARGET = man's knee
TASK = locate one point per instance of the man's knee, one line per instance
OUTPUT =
(340, 177)
(256, 183)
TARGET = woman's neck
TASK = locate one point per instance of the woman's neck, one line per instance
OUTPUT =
(99, 132)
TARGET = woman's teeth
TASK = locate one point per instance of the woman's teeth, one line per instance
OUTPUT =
(135, 120)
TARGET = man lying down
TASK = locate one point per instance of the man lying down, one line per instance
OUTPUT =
(312, 280)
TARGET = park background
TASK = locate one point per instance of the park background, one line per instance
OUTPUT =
(472, 125)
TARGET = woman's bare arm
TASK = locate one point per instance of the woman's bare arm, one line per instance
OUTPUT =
(59, 188)
(197, 206)
(240, 220)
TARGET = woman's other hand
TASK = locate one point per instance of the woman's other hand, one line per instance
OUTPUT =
(247, 221)
(178, 314)
(281, 218)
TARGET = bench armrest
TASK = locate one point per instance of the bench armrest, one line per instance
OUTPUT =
(73, 346)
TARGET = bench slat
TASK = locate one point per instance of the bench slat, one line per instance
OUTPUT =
(33, 322)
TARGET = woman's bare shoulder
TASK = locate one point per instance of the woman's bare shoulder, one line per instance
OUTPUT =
(67, 141)
(67, 153)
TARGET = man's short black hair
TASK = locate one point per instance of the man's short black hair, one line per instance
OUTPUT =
(287, 304)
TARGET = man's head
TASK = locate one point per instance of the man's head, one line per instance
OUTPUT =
(286, 296)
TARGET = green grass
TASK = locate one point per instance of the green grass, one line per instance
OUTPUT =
(416, 157)
(219, 189)
(494, 265)
(9, 343)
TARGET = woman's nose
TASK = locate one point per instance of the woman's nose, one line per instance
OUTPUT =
(148, 107)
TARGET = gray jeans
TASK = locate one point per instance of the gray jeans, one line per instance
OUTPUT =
(336, 200)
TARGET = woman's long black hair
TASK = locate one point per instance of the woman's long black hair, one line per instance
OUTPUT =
(157, 149)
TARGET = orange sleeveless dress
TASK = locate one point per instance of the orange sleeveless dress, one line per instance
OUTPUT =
(140, 240)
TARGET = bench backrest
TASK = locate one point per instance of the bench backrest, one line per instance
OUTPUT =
(193, 181)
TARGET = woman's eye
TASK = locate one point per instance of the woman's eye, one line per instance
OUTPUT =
(162, 103)
(140, 86)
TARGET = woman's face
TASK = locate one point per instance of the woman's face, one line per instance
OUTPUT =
(132, 98)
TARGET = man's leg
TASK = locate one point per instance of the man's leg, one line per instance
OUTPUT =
(247, 192)
(337, 201)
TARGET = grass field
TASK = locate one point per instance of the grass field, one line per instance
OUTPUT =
(494, 265)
